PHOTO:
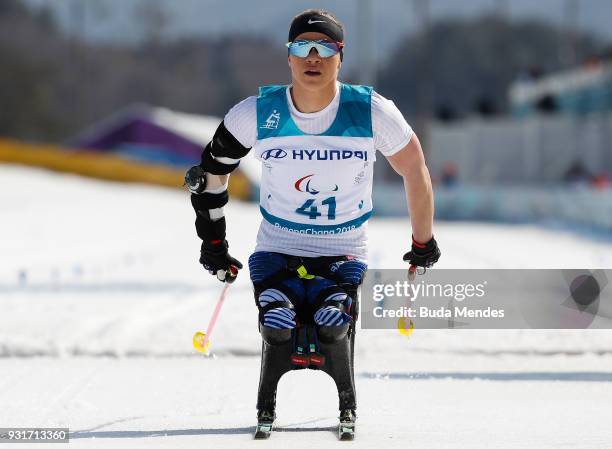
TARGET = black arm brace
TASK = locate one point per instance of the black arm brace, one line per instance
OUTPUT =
(223, 144)
(206, 228)
(209, 230)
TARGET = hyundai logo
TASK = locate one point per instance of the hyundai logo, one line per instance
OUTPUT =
(275, 153)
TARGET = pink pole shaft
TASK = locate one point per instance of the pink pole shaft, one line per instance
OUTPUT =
(215, 315)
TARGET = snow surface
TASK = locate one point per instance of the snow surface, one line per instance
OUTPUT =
(100, 293)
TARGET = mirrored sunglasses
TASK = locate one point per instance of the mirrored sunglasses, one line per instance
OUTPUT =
(326, 49)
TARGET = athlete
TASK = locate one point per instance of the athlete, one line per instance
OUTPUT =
(317, 140)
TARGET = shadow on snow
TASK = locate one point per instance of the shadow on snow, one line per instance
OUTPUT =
(562, 376)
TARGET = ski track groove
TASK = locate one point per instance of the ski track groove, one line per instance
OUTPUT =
(110, 423)
(70, 392)
(13, 380)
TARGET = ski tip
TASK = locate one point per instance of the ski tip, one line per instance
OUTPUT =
(263, 430)
(346, 434)
(263, 433)
(346, 431)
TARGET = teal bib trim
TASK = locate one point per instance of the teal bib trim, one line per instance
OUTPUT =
(353, 119)
(315, 229)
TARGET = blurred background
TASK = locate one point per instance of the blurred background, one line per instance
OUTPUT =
(512, 99)
(100, 286)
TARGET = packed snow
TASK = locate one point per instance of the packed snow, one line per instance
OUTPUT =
(101, 292)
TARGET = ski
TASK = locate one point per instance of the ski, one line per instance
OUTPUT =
(263, 431)
(265, 423)
(346, 427)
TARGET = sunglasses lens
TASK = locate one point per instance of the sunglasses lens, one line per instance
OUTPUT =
(301, 49)
(327, 49)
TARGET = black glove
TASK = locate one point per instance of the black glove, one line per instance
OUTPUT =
(215, 258)
(423, 254)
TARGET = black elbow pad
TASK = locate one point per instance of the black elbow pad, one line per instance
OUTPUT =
(223, 145)
(211, 165)
(226, 145)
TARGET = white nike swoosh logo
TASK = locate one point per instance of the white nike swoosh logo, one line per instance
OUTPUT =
(310, 21)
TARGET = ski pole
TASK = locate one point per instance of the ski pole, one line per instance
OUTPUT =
(412, 272)
(201, 340)
(405, 326)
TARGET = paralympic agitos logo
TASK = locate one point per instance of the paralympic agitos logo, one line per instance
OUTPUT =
(314, 155)
(304, 185)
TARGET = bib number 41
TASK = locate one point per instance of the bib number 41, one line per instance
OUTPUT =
(310, 209)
